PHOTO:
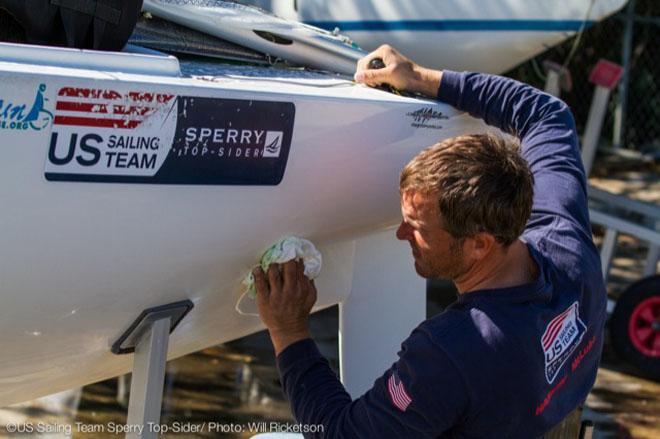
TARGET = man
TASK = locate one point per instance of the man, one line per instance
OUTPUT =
(519, 349)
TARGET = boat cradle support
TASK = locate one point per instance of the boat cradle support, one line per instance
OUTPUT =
(386, 302)
(148, 338)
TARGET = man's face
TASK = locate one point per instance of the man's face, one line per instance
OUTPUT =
(437, 254)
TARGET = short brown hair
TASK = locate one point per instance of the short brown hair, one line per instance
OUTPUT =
(482, 183)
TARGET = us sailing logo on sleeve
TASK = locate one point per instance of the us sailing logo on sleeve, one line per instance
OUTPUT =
(561, 337)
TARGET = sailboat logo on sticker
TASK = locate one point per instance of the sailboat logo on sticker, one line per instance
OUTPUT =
(273, 144)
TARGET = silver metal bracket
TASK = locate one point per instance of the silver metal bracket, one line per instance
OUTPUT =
(148, 337)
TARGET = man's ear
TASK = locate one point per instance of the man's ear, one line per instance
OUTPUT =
(480, 245)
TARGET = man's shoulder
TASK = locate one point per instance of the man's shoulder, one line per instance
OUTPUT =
(455, 327)
(563, 245)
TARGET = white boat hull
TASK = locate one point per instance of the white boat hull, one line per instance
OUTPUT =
(86, 245)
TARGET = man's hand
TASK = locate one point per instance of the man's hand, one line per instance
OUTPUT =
(285, 297)
(399, 72)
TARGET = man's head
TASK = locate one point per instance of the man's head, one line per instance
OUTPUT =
(463, 199)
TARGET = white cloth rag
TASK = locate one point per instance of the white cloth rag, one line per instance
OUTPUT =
(284, 250)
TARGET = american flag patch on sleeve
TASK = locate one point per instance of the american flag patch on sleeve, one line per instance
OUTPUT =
(397, 391)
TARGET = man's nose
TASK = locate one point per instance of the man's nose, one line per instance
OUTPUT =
(403, 231)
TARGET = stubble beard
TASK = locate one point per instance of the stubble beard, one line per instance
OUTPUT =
(449, 269)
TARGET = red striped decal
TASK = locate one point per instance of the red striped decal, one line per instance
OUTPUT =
(100, 123)
(149, 97)
(136, 96)
(102, 108)
(89, 93)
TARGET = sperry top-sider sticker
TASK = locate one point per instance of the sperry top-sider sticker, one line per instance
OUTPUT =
(142, 137)
(561, 337)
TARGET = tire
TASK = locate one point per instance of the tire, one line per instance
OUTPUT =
(635, 326)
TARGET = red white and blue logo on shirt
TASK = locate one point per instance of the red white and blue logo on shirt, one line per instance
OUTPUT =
(561, 337)
(397, 391)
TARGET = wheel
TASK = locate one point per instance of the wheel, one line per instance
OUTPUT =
(635, 326)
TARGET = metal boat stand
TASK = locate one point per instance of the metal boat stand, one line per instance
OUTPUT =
(148, 337)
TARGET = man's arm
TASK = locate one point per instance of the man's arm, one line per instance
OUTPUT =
(421, 395)
(548, 137)
(542, 122)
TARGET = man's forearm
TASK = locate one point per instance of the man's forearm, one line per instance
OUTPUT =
(282, 339)
(428, 81)
(505, 103)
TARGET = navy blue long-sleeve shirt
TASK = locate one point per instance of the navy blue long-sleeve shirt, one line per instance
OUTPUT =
(509, 362)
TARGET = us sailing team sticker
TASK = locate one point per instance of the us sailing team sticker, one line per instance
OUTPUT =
(102, 135)
(560, 339)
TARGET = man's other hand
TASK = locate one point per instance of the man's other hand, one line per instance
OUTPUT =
(285, 297)
(399, 72)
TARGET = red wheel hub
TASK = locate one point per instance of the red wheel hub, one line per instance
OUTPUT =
(644, 327)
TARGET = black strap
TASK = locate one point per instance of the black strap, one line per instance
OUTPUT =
(96, 9)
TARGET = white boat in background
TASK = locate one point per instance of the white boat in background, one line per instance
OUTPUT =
(127, 184)
(482, 35)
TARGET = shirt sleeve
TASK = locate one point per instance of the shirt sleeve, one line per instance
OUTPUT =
(549, 143)
(422, 395)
